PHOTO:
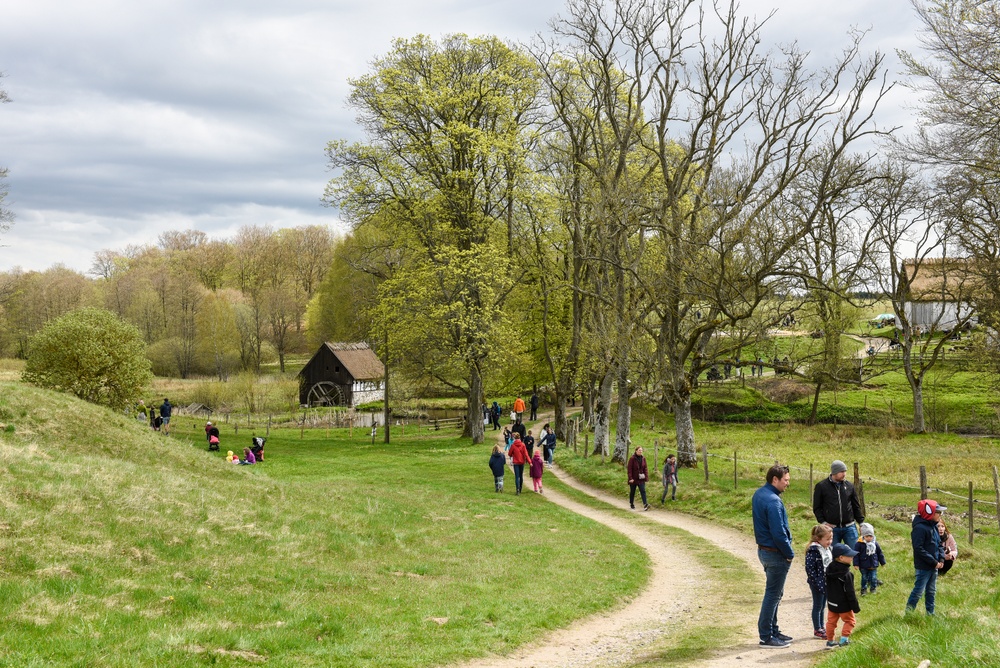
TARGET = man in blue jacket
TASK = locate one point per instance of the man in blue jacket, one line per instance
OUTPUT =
(774, 550)
(928, 556)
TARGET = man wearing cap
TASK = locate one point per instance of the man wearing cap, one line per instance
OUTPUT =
(774, 550)
(836, 504)
(928, 556)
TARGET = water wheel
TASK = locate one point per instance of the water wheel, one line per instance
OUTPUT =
(326, 393)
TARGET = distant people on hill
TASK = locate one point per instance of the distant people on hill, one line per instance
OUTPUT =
(638, 475)
(166, 409)
(836, 504)
(154, 420)
(495, 413)
(498, 466)
(534, 405)
(140, 411)
(211, 430)
(257, 447)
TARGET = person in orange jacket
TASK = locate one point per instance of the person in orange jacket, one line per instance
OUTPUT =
(518, 458)
(519, 407)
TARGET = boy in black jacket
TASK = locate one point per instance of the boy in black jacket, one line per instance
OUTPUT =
(841, 600)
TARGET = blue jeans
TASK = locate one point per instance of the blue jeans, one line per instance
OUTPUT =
(847, 535)
(518, 477)
(631, 494)
(869, 578)
(819, 609)
(775, 571)
(925, 584)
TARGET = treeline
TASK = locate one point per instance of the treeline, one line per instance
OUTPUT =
(641, 194)
(204, 306)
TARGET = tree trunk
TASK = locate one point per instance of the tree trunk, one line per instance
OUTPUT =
(815, 408)
(561, 423)
(917, 386)
(474, 405)
(385, 392)
(685, 432)
(602, 415)
(624, 431)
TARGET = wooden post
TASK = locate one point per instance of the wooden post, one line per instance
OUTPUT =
(236, 429)
(972, 515)
(656, 448)
(923, 482)
(704, 455)
(586, 444)
(572, 432)
(736, 477)
(996, 490)
(268, 425)
(350, 427)
(812, 489)
(436, 427)
(302, 427)
(860, 489)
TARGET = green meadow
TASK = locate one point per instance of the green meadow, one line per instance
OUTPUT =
(121, 547)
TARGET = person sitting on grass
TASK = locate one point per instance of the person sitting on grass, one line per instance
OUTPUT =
(248, 457)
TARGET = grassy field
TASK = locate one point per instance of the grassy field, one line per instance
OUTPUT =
(120, 547)
(966, 630)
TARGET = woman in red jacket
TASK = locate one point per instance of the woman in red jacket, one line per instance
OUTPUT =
(518, 458)
(638, 474)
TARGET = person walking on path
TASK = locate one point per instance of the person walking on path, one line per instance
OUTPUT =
(529, 443)
(638, 474)
(774, 551)
(165, 410)
(928, 556)
(536, 470)
(518, 458)
(519, 408)
(836, 504)
(533, 402)
(669, 478)
(548, 443)
(497, 464)
(495, 415)
(840, 597)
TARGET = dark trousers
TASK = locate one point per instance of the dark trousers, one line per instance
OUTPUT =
(534, 413)
(642, 492)
(518, 477)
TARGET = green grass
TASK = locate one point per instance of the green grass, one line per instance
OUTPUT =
(966, 630)
(120, 547)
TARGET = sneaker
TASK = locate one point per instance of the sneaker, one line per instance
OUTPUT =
(844, 640)
(632, 507)
(646, 507)
(773, 642)
(820, 633)
(831, 644)
(782, 637)
(864, 593)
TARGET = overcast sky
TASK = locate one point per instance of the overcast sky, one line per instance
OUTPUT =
(132, 118)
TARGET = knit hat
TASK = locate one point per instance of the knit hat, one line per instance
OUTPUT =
(867, 530)
(837, 466)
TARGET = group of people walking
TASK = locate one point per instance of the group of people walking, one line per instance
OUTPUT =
(835, 547)
(521, 448)
(159, 422)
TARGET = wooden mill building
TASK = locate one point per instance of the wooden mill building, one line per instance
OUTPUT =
(342, 374)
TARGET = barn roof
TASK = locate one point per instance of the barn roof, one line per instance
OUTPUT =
(940, 279)
(358, 359)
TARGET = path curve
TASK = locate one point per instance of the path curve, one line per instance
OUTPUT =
(618, 637)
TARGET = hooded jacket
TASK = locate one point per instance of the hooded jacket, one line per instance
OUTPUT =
(927, 552)
(518, 453)
(636, 466)
(867, 561)
(840, 595)
(497, 462)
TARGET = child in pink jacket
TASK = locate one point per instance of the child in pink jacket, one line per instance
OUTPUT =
(537, 467)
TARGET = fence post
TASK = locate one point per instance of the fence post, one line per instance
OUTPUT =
(812, 489)
(923, 482)
(996, 489)
(268, 425)
(656, 452)
(972, 518)
(302, 427)
(586, 444)
(736, 476)
(861, 489)
(704, 455)
(236, 429)
(436, 427)
(572, 433)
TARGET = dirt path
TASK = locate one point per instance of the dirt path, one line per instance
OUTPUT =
(619, 637)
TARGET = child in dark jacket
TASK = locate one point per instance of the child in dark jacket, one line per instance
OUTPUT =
(497, 463)
(869, 558)
(840, 597)
(818, 559)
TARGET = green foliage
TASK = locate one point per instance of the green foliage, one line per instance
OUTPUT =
(91, 354)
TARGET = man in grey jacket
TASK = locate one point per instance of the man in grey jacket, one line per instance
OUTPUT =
(836, 504)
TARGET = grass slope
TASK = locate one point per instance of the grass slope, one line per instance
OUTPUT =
(966, 630)
(119, 547)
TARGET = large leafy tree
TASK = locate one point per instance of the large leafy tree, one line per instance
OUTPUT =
(92, 354)
(447, 134)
